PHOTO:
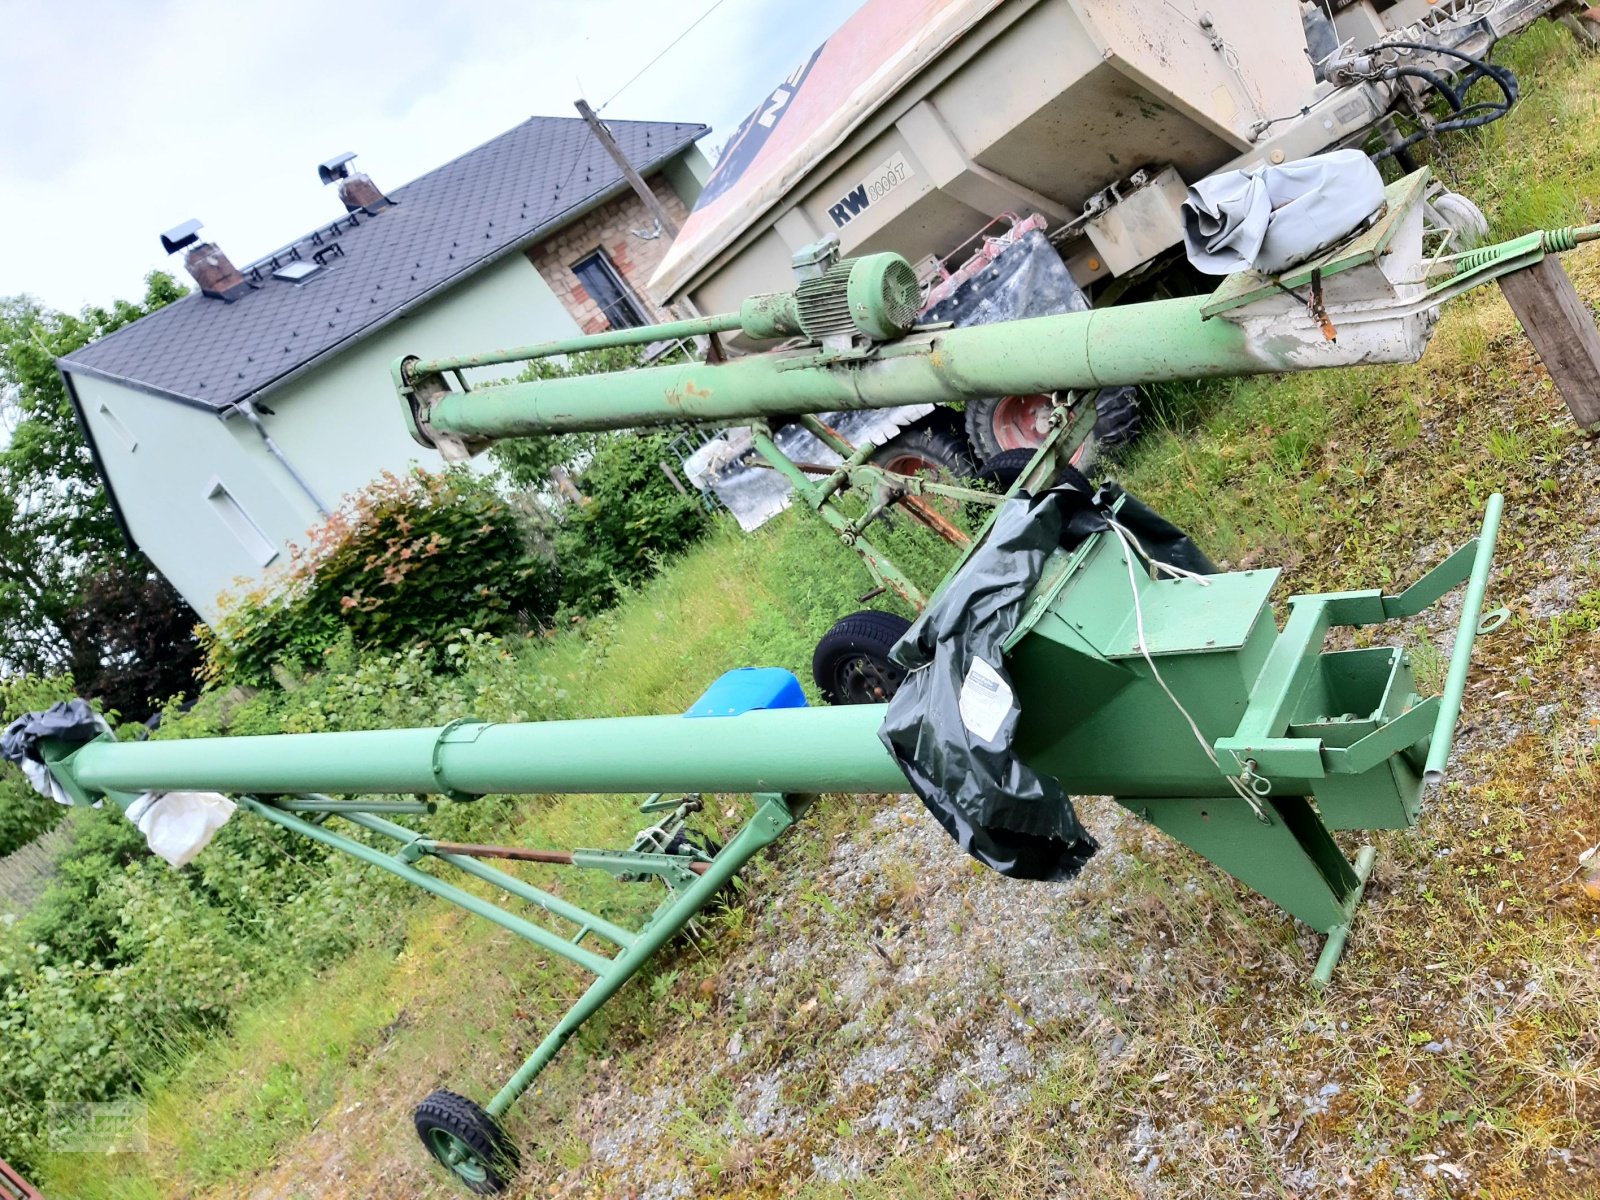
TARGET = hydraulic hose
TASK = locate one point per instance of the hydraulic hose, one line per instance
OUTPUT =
(1463, 115)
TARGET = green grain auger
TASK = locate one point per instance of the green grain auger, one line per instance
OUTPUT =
(1174, 692)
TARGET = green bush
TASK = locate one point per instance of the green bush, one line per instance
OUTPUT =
(631, 519)
(123, 961)
(409, 560)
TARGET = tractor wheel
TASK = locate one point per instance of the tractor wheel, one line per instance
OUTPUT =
(851, 663)
(1003, 423)
(468, 1141)
(1005, 468)
(999, 473)
(934, 448)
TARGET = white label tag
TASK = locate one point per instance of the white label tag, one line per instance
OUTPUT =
(985, 700)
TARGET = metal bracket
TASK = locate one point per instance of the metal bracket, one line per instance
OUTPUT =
(633, 866)
(453, 733)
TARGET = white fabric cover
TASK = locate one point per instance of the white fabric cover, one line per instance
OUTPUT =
(1270, 218)
(178, 825)
(44, 783)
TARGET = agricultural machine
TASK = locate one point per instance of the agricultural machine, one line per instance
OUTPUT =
(1080, 647)
(1081, 122)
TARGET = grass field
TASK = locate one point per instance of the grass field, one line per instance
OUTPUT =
(880, 1017)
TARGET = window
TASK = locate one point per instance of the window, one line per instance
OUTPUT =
(602, 280)
(256, 544)
(118, 428)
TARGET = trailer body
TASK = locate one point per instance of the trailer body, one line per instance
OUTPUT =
(920, 120)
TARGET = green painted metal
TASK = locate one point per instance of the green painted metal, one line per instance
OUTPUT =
(794, 750)
(1455, 684)
(1140, 343)
(325, 804)
(527, 930)
(417, 846)
(1291, 858)
(639, 336)
(883, 571)
(1101, 679)
(774, 814)
(1333, 948)
(1179, 697)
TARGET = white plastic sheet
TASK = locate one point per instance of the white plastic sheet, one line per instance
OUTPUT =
(1271, 218)
(178, 825)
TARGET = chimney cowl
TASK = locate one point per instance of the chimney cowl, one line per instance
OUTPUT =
(209, 267)
(356, 189)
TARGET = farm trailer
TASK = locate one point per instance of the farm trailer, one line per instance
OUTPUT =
(920, 121)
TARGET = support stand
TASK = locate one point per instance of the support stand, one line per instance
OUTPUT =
(1562, 330)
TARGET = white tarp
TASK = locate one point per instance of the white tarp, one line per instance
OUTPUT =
(178, 825)
(1270, 218)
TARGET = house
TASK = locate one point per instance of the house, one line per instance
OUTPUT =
(227, 424)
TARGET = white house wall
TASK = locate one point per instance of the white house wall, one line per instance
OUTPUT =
(340, 425)
(161, 457)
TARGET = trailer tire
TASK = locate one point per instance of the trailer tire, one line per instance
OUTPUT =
(997, 475)
(1005, 468)
(1117, 417)
(932, 447)
(851, 663)
(447, 1122)
(1004, 423)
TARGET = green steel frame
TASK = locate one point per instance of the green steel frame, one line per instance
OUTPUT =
(1285, 725)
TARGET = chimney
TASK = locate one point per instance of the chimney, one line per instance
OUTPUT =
(208, 266)
(355, 189)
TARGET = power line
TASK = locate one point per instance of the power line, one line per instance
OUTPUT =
(716, 5)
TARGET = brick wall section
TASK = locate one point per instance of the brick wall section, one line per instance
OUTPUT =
(610, 228)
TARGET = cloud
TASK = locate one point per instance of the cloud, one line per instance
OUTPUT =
(121, 120)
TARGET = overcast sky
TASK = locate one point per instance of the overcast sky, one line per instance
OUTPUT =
(122, 118)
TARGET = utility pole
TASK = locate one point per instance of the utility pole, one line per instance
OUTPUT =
(651, 200)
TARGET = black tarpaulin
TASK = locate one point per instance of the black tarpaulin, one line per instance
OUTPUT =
(66, 721)
(952, 724)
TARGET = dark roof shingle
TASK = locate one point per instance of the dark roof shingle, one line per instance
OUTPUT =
(444, 225)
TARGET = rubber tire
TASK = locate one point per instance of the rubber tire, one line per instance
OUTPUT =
(1118, 419)
(868, 635)
(1458, 214)
(1117, 422)
(463, 1120)
(1005, 468)
(998, 474)
(937, 441)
